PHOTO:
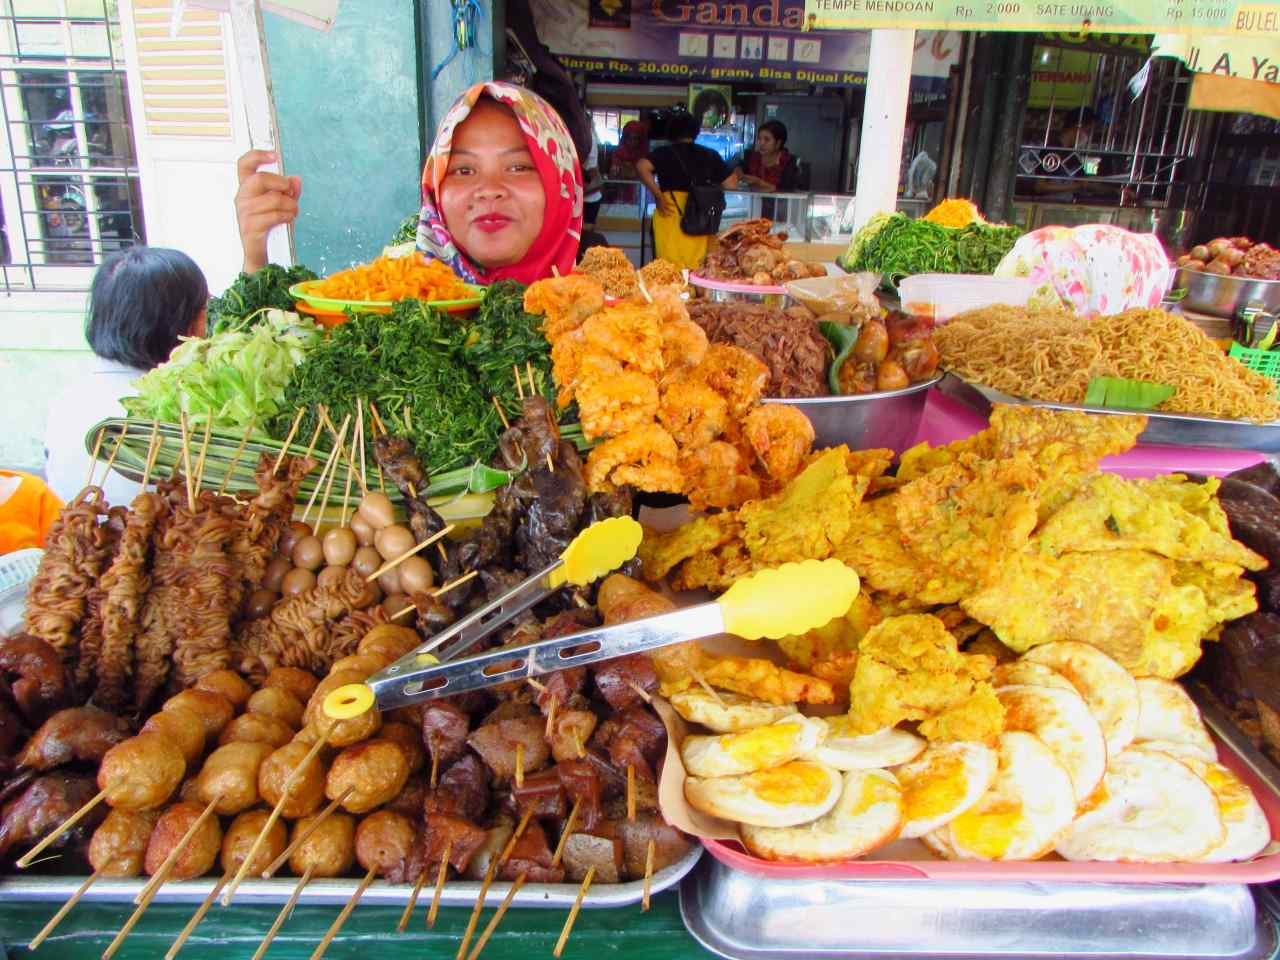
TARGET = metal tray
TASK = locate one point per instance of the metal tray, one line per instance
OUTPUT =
(461, 893)
(1170, 429)
(746, 918)
(1223, 296)
(864, 421)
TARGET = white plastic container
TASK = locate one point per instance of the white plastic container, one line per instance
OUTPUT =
(943, 295)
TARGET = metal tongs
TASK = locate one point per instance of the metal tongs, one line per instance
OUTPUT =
(791, 599)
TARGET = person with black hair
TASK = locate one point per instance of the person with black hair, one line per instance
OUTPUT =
(770, 166)
(669, 172)
(142, 302)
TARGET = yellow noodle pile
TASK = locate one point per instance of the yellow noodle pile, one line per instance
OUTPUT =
(1052, 355)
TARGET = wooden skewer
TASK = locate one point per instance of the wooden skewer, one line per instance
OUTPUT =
(58, 917)
(284, 447)
(315, 435)
(398, 615)
(551, 715)
(329, 465)
(197, 917)
(702, 682)
(312, 827)
(631, 792)
(377, 417)
(444, 557)
(515, 368)
(403, 925)
(536, 684)
(235, 459)
(346, 912)
(93, 457)
(641, 692)
(333, 474)
(393, 563)
(283, 915)
(131, 922)
(166, 867)
(186, 460)
(497, 916)
(577, 744)
(346, 490)
(502, 414)
(435, 764)
(533, 384)
(67, 824)
(555, 271)
(204, 450)
(456, 583)
(519, 765)
(364, 467)
(153, 450)
(114, 452)
(648, 876)
(435, 897)
(515, 837)
(475, 911)
(550, 466)
(564, 834)
(573, 913)
(261, 838)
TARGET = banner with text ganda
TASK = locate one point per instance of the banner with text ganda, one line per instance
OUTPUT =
(720, 42)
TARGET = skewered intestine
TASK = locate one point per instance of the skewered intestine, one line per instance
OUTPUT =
(75, 549)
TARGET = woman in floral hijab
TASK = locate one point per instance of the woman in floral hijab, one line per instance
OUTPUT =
(502, 188)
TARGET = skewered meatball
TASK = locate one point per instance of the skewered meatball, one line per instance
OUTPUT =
(298, 682)
(389, 641)
(329, 851)
(119, 846)
(183, 727)
(214, 710)
(307, 793)
(257, 728)
(362, 663)
(228, 684)
(408, 739)
(279, 703)
(241, 836)
(141, 773)
(384, 843)
(200, 851)
(230, 776)
(82, 734)
(344, 732)
(375, 771)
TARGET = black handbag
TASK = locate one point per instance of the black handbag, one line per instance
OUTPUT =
(704, 206)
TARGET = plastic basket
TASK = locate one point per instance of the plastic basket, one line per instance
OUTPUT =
(1265, 362)
(19, 568)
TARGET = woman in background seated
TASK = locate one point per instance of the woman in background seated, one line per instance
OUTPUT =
(669, 172)
(143, 300)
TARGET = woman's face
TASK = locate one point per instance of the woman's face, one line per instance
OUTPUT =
(492, 197)
(767, 143)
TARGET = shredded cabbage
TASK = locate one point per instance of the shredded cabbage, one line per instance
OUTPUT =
(235, 378)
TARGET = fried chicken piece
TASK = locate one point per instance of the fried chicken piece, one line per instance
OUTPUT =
(645, 458)
(738, 376)
(716, 476)
(629, 333)
(563, 303)
(692, 413)
(781, 437)
(808, 518)
(963, 520)
(684, 345)
(613, 400)
(566, 365)
(910, 668)
(1135, 606)
(1112, 513)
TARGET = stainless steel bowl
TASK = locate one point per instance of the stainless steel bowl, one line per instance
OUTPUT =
(888, 419)
(732, 296)
(1222, 296)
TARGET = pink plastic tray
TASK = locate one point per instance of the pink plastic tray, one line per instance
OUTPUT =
(946, 419)
(1263, 869)
(728, 287)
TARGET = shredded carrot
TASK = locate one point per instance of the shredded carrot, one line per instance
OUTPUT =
(412, 277)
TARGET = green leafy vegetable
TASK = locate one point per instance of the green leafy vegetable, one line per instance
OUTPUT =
(896, 246)
(245, 301)
(234, 377)
(1124, 394)
(843, 338)
(407, 231)
(431, 375)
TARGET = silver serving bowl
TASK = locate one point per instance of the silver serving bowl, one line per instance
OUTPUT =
(1224, 296)
(888, 419)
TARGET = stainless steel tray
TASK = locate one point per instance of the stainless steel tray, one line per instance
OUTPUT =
(744, 917)
(1170, 429)
(457, 893)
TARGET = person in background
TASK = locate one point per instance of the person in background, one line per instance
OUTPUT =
(27, 510)
(592, 185)
(501, 190)
(633, 146)
(1077, 134)
(669, 172)
(142, 302)
(770, 166)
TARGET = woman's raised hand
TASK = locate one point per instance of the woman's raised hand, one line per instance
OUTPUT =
(263, 201)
